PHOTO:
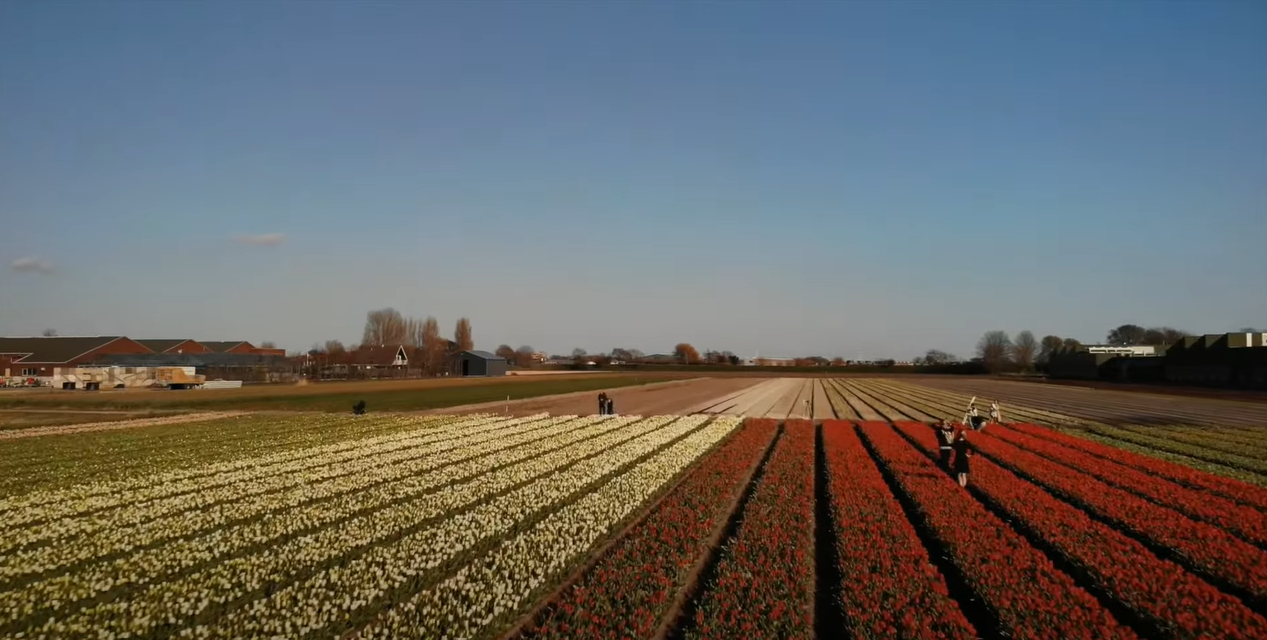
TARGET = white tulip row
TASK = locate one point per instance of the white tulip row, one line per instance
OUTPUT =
(154, 563)
(501, 581)
(398, 475)
(235, 578)
(71, 501)
(331, 597)
(211, 506)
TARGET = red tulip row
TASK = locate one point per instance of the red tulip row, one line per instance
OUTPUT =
(765, 581)
(1248, 522)
(1212, 550)
(631, 588)
(1027, 594)
(1242, 492)
(1172, 601)
(889, 587)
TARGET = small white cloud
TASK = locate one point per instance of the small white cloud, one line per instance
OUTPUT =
(33, 264)
(262, 240)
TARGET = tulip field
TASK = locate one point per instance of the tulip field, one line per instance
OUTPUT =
(708, 524)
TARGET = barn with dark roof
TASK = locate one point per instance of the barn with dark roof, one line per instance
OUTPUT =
(477, 364)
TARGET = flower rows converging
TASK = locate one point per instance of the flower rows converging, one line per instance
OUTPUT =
(628, 592)
(1227, 514)
(1158, 592)
(1241, 492)
(1022, 589)
(486, 527)
(1199, 545)
(888, 583)
(764, 587)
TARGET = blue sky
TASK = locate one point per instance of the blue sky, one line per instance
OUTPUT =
(837, 178)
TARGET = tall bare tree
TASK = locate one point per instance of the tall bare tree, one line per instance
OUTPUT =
(993, 349)
(384, 326)
(1024, 348)
(334, 347)
(462, 335)
(413, 332)
(434, 346)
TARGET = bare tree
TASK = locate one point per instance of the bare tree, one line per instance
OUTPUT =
(1048, 346)
(433, 346)
(837, 362)
(1024, 348)
(993, 350)
(384, 326)
(578, 356)
(1072, 343)
(333, 347)
(686, 353)
(462, 335)
(937, 356)
(621, 354)
(49, 333)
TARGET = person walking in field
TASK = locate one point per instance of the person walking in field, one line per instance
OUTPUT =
(945, 442)
(962, 453)
(973, 418)
(602, 403)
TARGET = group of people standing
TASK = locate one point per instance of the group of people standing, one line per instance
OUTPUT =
(606, 406)
(954, 442)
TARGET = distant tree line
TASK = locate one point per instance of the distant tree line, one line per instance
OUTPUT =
(1000, 352)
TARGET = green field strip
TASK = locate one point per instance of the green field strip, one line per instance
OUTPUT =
(1201, 437)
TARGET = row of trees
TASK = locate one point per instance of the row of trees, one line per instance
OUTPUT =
(1000, 352)
(385, 328)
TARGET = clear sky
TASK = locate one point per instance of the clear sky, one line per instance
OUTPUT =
(795, 178)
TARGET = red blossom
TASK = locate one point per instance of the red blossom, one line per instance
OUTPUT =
(1158, 591)
(769, 565)
(888, 586)
(1029, 596)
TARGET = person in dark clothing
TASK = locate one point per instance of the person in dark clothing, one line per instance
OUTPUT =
(962, 453)
(602, 403)
(945, 440)
(611, 407)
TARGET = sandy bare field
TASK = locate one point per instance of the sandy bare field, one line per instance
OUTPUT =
(666, 398)
(1126, 407)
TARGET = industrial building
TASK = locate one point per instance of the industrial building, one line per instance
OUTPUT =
(477, 364)
(1236, 360)
(114, 361)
